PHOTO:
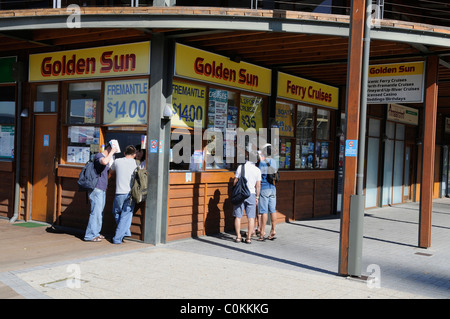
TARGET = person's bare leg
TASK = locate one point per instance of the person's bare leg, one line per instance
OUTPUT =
(262, 230)
(251, 226)
(237, 227)
(273, 221)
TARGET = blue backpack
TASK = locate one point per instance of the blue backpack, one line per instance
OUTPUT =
(88, 177)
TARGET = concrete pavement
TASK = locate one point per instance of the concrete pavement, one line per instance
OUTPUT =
(301, 263)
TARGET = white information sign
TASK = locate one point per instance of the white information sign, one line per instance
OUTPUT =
(126, 102)
(404, 114)
(396, 83)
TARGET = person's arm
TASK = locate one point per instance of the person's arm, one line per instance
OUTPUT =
(258, 189)
(105, 160)
(237, 175)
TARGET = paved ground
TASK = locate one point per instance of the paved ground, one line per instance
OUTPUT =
(301, 263)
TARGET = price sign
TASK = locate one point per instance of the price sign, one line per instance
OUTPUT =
(250, 112)
(126, 102)
(188, 104)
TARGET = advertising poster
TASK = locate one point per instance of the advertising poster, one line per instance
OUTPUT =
(188, 104)
(283, 119)
(6, 141)
(218, 109)
(251, 112)
(126, 102)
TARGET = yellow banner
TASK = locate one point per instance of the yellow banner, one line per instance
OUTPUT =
(283, 119)
(108, 61)
(299, 89)
(396, 69)
(208, 67)
(188, 104)
(250, 115)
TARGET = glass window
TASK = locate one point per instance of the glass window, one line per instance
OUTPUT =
(304, 143)
(83, 102)
(222, 115)
(323, 125)
(7, 104)
(83, 143)
(46, 98)
(374, 127)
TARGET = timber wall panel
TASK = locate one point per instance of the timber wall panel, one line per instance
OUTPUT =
(304, 199)
(186, 209)
(323, 198)
(6, 194)
(202, 206)
(285, 199)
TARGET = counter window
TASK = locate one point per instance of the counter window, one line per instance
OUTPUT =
(83, 101)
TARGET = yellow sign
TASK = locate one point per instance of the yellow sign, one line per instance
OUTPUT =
(396, 69)
(299, 89)
(188, 104)
(117, 60)
(283, 119)
(208, 67)
(250, 115)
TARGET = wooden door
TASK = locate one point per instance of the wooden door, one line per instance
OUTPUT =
(43, 203)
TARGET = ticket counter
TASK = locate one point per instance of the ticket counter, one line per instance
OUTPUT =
(230, 96)
(80, 100)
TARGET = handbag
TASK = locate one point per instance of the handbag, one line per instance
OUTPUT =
(240, 191)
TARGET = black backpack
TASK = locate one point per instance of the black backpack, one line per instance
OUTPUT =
(272, 178)
(240, 191)
(88, 177)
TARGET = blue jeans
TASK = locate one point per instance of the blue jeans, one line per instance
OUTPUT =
(123, 208)
(97, 198)
(267, 201)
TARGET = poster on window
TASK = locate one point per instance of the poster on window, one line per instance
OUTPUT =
(250, 112)
(188, 104)
(126, 102)
(6, 141)
(283, 119)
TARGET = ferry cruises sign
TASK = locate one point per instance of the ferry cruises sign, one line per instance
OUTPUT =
(100, 62)
(396, 83)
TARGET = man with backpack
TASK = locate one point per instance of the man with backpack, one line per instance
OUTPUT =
(123, 204)
(97, 196)
(252, 175)
(268, 195)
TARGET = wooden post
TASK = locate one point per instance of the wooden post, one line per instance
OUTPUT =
(352, 108)
(428, 154)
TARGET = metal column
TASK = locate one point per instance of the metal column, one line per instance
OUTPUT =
(158, 132)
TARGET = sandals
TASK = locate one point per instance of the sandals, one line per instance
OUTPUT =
(248, 241)
(238, 240)
(272, 236)
(97, 239)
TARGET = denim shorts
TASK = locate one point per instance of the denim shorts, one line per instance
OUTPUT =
(249, 205)
(267, 201)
